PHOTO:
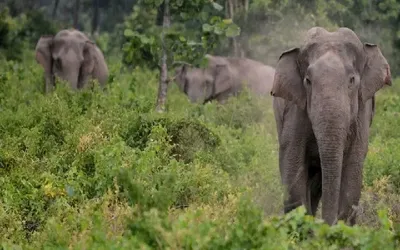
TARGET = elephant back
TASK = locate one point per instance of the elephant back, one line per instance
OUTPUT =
(257, 76)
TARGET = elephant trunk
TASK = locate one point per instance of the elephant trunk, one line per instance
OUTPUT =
(49, 77)
(330, 124)
(72, 77)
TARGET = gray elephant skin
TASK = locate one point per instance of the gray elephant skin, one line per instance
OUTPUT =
(324, 94)
(224, 77)
(71, 56)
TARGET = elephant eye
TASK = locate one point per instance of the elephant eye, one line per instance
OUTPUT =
(307, 81)
(352, 80)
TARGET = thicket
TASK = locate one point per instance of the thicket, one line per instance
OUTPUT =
(102, 170)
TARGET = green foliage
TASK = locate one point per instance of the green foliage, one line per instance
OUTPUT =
(35, 25)
(143, 42)
(267, 26)
(11, 46)
(185, 136)
(383, 157)
(101, 170)
(22, 32)
(97, 170)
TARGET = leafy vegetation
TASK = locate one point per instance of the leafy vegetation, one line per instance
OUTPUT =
(103, 170)
(143, 43)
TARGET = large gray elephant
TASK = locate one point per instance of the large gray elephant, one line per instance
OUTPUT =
(224, 77)
(323, 105)
(71, 56)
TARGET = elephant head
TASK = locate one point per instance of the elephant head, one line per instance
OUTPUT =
(69, 55)
(330, 78)
(204, 84)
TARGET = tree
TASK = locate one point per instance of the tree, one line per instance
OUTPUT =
(237, 8)
(76, 13)
(54, 12)
(163, 86)
(190, 30)
(95, 18)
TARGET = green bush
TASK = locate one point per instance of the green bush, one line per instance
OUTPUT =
(94, 169)
(17, 34)
(185, 136)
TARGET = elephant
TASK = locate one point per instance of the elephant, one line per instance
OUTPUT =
(71, 56)
(324, 104)
(224, 77)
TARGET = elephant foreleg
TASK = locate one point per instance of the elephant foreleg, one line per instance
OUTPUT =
(294, 131)
(350, 192)
(314, 189)
(294, 176)
(49, 78)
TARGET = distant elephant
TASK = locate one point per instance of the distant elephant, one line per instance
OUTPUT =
(71, 56)
(224, 77)
(324, 102)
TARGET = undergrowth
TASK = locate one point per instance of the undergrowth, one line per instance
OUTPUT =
(101, 170)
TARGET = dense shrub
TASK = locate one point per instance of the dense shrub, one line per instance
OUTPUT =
(94, 169)
(185, 136)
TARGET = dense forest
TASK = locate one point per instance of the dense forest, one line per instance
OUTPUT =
(94, 169)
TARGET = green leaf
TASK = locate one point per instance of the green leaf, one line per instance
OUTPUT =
(144, 39)
(232, 30)
(128, 33)
(193, 43)
(207, 27)
(179, 3)
(227, 21)
(218, 30)
(184, 15)
(217, 6)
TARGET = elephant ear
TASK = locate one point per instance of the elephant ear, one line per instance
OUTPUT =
(376, 72)
(180, 74)
(288, 83)
(43, 52)
(222, 76)
(89, 52)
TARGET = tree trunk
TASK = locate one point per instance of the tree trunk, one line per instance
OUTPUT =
(53, 14)
(244, 46)
(95, 18)
(76, 13)
(231, 15)
(246, 9)
(163, 83)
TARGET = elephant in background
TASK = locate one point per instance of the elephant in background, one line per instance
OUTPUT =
(324, 101)
(224, 77)
(71, 56)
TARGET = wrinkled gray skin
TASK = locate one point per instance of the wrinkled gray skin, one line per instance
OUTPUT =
(224, 77)
(324, 105)
(71, 56)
